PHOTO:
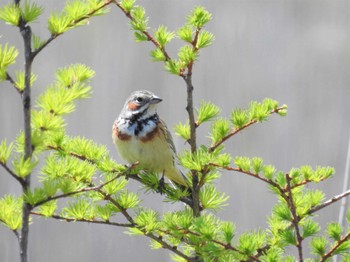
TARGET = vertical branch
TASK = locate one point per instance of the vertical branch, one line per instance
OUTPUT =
(295, 219)
(26, 33)
(192, 142)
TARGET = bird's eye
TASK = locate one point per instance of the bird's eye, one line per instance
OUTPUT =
(139, 99)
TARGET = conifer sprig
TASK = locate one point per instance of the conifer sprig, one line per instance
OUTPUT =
(241, 119)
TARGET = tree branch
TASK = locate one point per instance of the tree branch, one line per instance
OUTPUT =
(334, 248)
(235, 131)
(146, 33)
(329, 202)
(75, 22)
(295, 220)
(12, 173)
(26, 33)
(10, 79)
(67, 219)
(86, 189)
(270, 182)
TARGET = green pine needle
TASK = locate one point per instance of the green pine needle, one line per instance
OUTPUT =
(212, 199)
(228, 231)
(183, 130)
(206, 112)
(35, 196)
(157, 55)
(45, 121)
(318, 245)
(322, 173)
(11, 212)
(207, 225)
(282, 212)
(187, 55)
(219, 129)
(74, 14)
(58, 24)
(288, 236)
(334, 230)
(185, 33)
(80, 209)
(283, 111)
(7, 57)
(248, 243)
(269, 171)
(74, 73)
(140, 36)
(309, 228)
(205, 39)
(48, 209)
(24, 167)
(5, 151)
(128, 5)
(148, 220)
(31, 11)
(243, 163)
(20, 80)
(343, 249)
(199, 17)
(174, 67)
(257, 165)
(10, 14)
(139, 21)
(104, 212)
(163, 36)
(128, 199)
(239, 118)
(114, 186)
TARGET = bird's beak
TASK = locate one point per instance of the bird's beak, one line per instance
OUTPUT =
(156, 100)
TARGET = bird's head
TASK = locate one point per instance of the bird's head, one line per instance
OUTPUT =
(141, 103)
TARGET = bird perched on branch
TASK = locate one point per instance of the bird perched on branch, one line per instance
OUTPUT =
(141, 136)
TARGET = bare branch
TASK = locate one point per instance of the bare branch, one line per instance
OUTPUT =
(329, 202)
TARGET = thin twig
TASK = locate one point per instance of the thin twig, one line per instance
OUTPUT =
(12, 173)
(227, 246)
(329, 202)
(146, 33)
(185, 200)
(132, 222)
(270, 182)
(13, 230)
(334, 248)
(75, 22)
(68, 219)
(83, 190)
(235, 131)
(10, 79)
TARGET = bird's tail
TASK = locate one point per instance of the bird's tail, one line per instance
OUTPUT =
(176, 176)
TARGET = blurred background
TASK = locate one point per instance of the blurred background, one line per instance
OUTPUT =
(295, 51)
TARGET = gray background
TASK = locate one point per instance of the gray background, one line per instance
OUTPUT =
(297, 52)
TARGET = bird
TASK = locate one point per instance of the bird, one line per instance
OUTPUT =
(141, 136)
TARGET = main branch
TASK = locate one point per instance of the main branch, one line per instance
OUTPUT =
(26, 33)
